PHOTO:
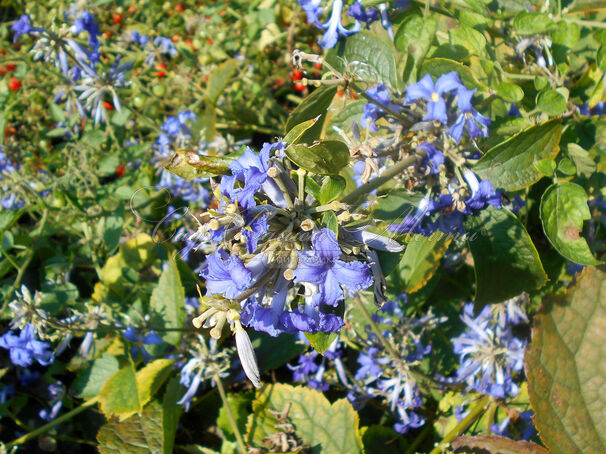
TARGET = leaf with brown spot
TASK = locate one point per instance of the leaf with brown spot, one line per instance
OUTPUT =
(494, 444)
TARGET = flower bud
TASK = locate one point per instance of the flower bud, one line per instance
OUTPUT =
(307, 225)
(247, 357)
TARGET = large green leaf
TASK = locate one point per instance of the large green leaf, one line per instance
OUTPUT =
(565, 368)
(119, 396)
(168, 303)
(327, 157)
(506, 263)
(321, 341)
(421, 259)
(89, 383)
(374, 58)
(532, 23)
(510, 164)
(324, 427)
(494, 444)
(139, 434)
(563, 210)
(151, 378)
(315, 104)
(415, 35)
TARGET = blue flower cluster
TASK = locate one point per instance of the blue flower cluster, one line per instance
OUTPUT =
(266, 250)
(490, 355)
(9, 200)
(311, 367)
(387, 373)
(24, 348)
(160, 45)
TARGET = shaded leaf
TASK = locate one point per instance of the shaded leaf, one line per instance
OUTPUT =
(315, 104)
(151, 378)
(189, 165)
(563, 210)
(332, 188)
(218, 79)
(119, 396)
(295, 134)
(168, 303)
(89, 383)
(551, 102)
(438, 66)
(421, 259)
(510, 164)
(321, 341)
(565, 367)
(506, 263)
(532, 23)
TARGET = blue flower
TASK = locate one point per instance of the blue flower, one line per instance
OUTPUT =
(321, 266)
(312, 9)
(489, 353)
(334, 27)
(372, 112)
(434, 158)
(482, 193)
(21, 27)
(150, 338)
(433, 94)
(418, 222)
(86, 22)
(24, 349)
(476, 123)
(138, 38)
(166, 45)
(268, 319)
(226, 275)
(252, 168)
(255, 228)
(369, 365)
(359, 13)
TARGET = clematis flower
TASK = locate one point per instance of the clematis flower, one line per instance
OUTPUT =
(24, 349)
(321, 266)
(434, 158)
(267, 318)
(22, 27)
(476, 123)
(335, 28)
(482, 192)
(359, 13)
(312, 9)
(226, 275)
(372, 112)
(433, 94)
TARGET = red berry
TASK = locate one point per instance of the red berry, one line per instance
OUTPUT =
(297, 74)
(2, 70)
(108, 105)
(11, 67)
(179, 7)
(120, 171)
(160, 74)
(9, 131)
(176, 38)
(318, 65)
(299, 86)
(340, 93)
(209, 41)
(354, 95)
(160, 66)
(117, 18)
(14, 84)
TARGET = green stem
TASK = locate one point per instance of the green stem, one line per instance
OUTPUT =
(45, 428)
(373, 184)
(586, 23)
(230, 416)
(474, 413)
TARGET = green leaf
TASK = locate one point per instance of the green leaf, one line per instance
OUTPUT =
(506, 263)
(218, 79)
(327, 157)
(89, 383)
(344, 119)
(332, 188)
(566, 166)
(312, 187)
(315, 104)
(321, 341)
(510, 164)
(532, 23)
(56, 112)
(510, 92)
(119, 396)
(171, 413)
(239, 404)
(469, 38)
(151, 378)
(438, 66)
(582, 159)
(551, 102)
(273, 352)
(382, 440)
(421, 259)
(546, 166)
(563, 210)
(295, 134)
(168, 303)
(327, 428)
(376, 59)
(495, 444)
(188, 164)
(330, 220)
(565, 367)
(139, 434)
(415, 35)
